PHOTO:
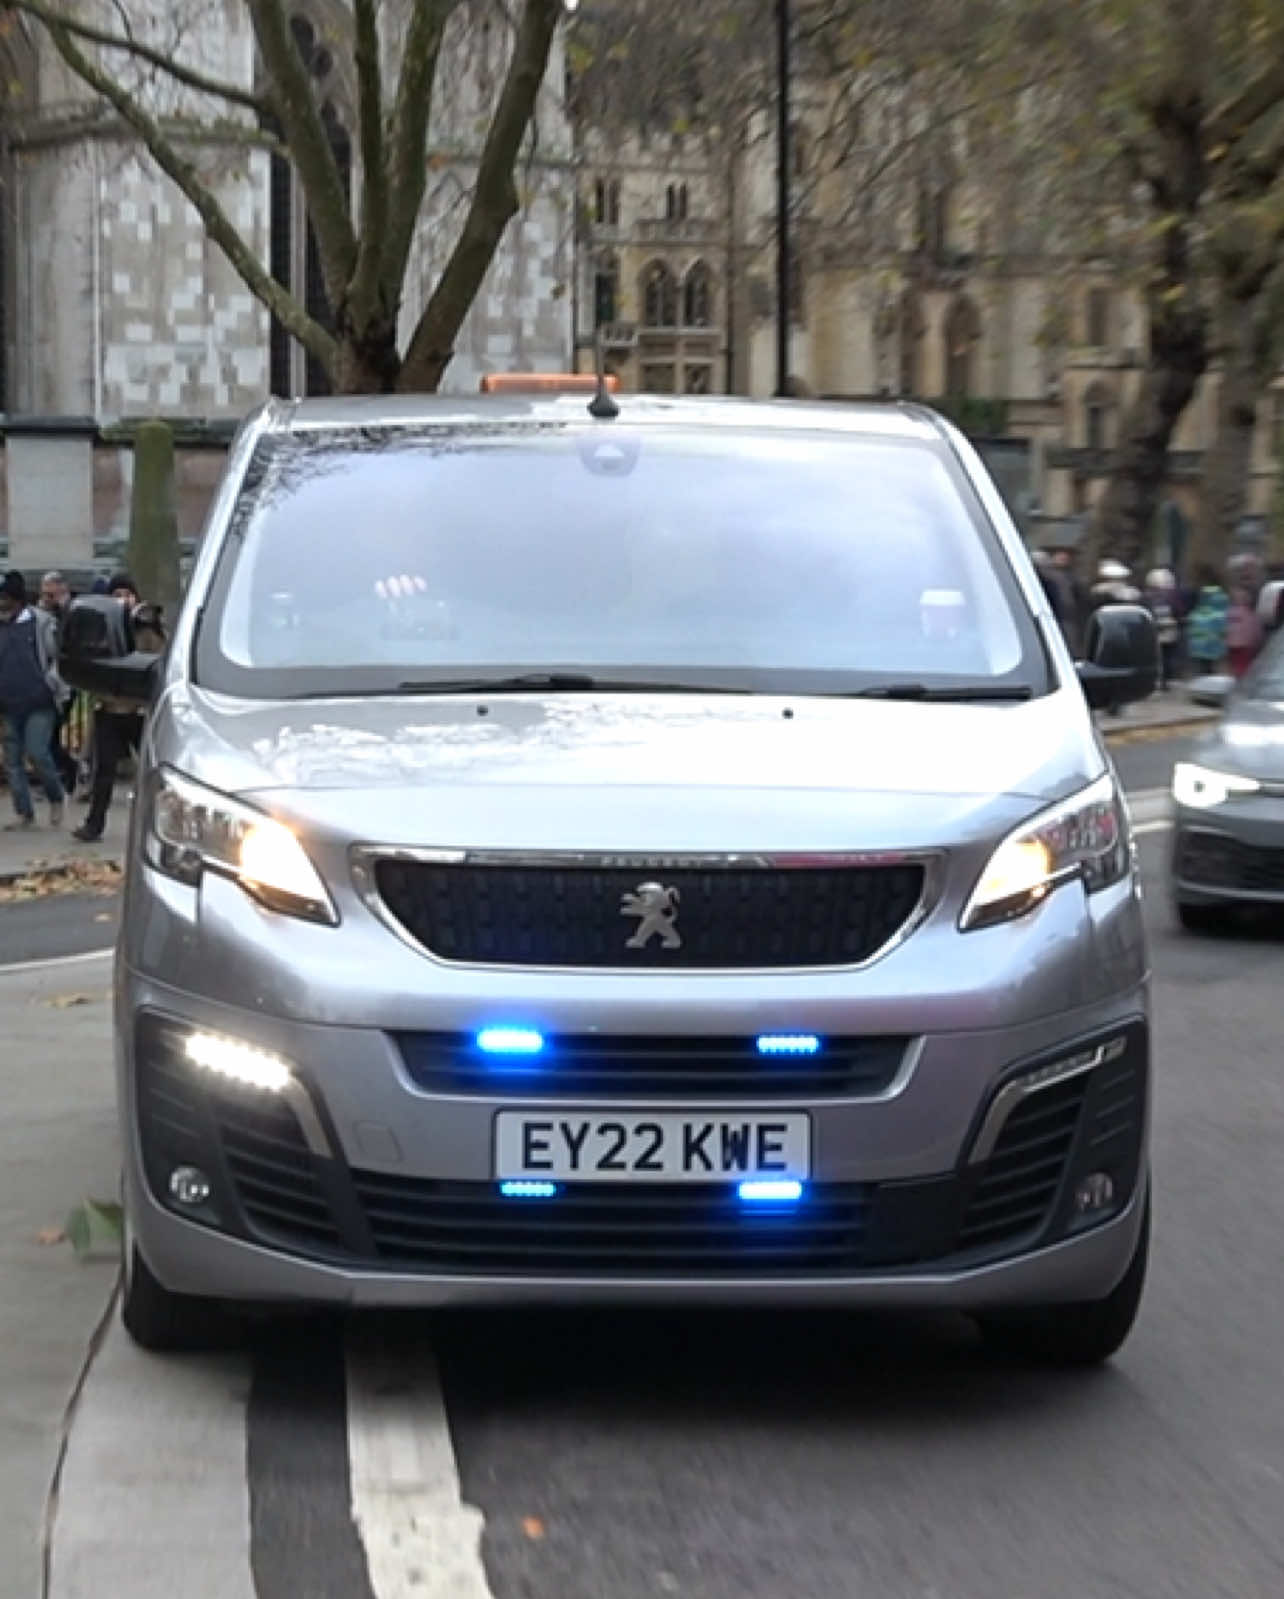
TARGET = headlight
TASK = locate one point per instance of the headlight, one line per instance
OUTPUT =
(193, 829)
(1083, 838)
(1200, 788)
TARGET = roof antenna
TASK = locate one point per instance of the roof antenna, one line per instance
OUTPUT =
(601, 406)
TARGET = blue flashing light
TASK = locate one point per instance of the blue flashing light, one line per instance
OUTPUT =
(528, 1188)
(788, 1044)
(771, 1191)
(510, 1041)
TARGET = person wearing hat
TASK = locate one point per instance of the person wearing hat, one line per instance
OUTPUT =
(118, 726)
(30, 694)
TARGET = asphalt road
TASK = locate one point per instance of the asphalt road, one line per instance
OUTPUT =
(1146, 763)
(57, 925)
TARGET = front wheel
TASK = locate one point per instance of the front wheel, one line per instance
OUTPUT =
(1084, 1334)
(159, 1320)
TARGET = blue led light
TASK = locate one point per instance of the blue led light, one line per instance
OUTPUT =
(788, 1044)
(770, 1191)
(510, 1041)
(528, 1188)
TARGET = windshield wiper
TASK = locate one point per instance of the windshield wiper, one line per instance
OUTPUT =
(955, 691)
(558, 683)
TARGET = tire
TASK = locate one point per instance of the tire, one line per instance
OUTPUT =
(1204, 918)
(159, 1320)
(1085, 1334)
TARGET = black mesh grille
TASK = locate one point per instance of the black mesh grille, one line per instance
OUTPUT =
(664, 1068)
(602, 1228)
(273, 1171)
(1021, 1179)
(1220, 862)
(573, 916)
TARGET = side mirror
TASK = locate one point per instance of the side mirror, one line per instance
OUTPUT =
(1211, 691)
(97, 653)
(1121, 656)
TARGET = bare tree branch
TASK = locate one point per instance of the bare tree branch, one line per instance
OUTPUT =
(494, 200)
(409, 137)
(188, 76)
(218, 225)
(363, 295)
(295, 105)
(1236, 116)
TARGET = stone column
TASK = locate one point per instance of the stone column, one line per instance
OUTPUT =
(49, 482)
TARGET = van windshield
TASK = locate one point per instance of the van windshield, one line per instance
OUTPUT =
(768, 561)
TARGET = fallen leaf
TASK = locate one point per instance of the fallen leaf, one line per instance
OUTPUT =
(71, 876)
(533, 1527)
(51, 1235)
(67, 1001)
(105, 916)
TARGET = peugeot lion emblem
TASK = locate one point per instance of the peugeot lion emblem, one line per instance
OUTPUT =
(657, 909)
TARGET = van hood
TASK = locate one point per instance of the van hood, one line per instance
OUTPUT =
(577, 770)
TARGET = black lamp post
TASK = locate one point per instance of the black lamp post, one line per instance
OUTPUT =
(784, 264)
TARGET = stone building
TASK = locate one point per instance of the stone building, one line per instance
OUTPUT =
(114, 301)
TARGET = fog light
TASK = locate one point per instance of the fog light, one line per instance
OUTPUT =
(1096, 1192)
(189, 1185)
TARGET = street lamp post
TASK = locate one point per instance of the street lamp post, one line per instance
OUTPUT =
(784, 264)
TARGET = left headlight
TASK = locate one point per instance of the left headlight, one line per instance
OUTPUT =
(1083, 838)
(192, 829)
(1199, 788)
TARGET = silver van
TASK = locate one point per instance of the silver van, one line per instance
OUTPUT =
(654, 851)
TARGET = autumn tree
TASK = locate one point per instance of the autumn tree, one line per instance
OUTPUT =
(149, 73)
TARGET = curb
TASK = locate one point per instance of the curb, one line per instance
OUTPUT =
(1122, 731)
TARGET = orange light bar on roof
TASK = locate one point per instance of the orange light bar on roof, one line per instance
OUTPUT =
(546, 383)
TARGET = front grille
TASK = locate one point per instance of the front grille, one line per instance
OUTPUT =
(701, 1229)
(274, 1173)
(1216, 861)
(724, 917)
(627, 1068)
(1021, 1179)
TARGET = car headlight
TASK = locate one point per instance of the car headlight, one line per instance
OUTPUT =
(1083, 838)
(192, 829)
(1200, 787)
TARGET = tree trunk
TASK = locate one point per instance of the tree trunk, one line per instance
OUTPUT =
(1228, 463)
(367, 362)
(1127, 511)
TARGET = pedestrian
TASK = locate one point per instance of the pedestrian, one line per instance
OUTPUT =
(1244, 632)
(1114, 586)
(54, 601)
(1206, 625)
(117, 727)
(30, 694)
(1160, 598)
(1070, 605)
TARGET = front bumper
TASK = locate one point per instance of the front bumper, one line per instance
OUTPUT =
(1231, 854)
(358, 1187)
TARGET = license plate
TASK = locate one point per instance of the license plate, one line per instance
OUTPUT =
(643, 1146)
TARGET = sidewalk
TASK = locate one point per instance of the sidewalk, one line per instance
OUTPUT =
(20, 853)
(57, 1148)
(1168, 711)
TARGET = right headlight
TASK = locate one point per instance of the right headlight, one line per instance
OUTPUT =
(1199, 788)
(1081, 839)
(192, 829)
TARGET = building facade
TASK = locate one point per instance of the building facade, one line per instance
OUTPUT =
(115, 302)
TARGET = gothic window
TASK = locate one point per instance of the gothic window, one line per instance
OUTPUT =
(659, 297)
(1098, 318)
(606, 201)
(293, 255)
(606, 290)
(659, 378)
(1096, 417)
(675, 202)
(697, 297)
(697, 377)
(962, 342)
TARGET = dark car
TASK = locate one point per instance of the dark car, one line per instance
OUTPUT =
(1228, 799)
